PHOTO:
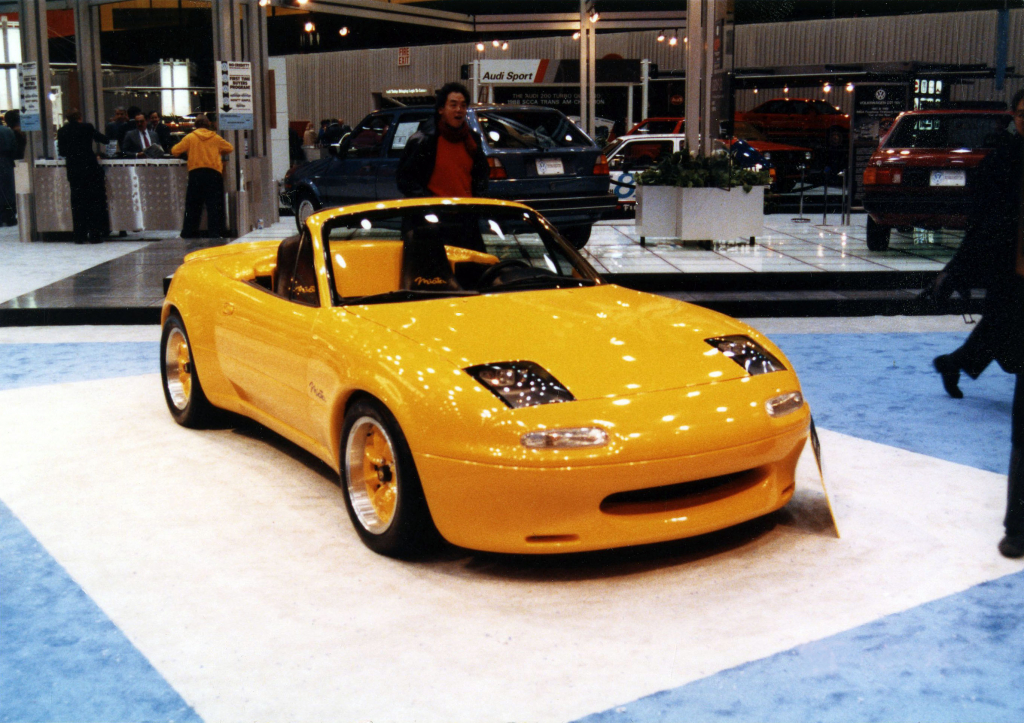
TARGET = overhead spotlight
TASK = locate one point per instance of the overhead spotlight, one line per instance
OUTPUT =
(755, 91)
(480, 47)
(673, 41)
(343, 31)
(301, 2)
(595, 16)
(496, 43)
(785, 89)
(827, 87)
(849, 87)
(264, 3)
(576, 35)
(661, 36)
(504, 45)
(309, 27)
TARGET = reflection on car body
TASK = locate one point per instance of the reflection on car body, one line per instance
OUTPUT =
(465, 370)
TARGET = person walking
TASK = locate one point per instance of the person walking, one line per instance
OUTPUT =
(992, 253)
(448, 159)
(205, 180)
(90, 217)
(990, 236)
(8, 152)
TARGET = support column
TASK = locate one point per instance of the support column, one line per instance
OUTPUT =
(240, 34)
(90, 68)
(584, 65)
(35, 48)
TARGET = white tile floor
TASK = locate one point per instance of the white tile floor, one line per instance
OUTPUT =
(783, 246)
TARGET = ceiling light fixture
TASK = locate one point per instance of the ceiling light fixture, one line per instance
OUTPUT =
(827, 87)
(849, 87)
(480, 47)
(310, 27)
(504, 45)
(576, 35)
(661, 36)
(495, 43)
(595, 16)
(673, 41)
(343, 31)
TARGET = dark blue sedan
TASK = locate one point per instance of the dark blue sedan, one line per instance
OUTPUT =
(537, 156)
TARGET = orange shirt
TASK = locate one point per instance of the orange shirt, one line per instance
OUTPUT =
(453, 170)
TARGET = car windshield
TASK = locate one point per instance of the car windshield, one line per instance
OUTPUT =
(540, 129)
(825, 108)
(947, 130)
(424, 252)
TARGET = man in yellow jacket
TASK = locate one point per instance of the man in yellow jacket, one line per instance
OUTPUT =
(205, 179)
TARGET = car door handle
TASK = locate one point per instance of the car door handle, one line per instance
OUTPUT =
(228, 309)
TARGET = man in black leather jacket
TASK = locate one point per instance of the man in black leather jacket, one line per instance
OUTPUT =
(463, 169)
(90, 216)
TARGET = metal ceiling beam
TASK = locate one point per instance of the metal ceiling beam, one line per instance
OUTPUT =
(374, 10)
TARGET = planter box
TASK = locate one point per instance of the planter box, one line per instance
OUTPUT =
(699, 214)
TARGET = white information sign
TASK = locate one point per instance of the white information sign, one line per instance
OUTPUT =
(234, 96)
(496, 72)
(28, 85)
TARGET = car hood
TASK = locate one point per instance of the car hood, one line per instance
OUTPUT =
(598, 341)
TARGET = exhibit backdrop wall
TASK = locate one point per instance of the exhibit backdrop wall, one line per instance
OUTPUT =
(341, 84)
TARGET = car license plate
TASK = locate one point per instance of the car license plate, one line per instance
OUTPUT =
(550, 167)
(948, 178)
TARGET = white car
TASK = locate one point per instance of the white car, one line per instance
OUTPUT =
(631, 155)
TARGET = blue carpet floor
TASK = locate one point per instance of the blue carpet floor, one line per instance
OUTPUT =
(29, 365)
(882, 387)
(61, 658)
(960, 658)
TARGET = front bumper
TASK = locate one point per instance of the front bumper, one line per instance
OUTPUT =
(517, 509)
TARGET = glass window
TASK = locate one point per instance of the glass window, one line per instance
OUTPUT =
(393, 255)
(951, 130)
(640, 154)
(825, 108)
(660, 126)
(540, 128)
(368, 139)
(408, 124)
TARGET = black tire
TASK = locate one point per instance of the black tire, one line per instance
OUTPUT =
(305, 205)
(577, 236)
(382, 489)
(878, 236)
(183, 391)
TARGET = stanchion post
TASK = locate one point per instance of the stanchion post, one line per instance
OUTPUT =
(800, 218)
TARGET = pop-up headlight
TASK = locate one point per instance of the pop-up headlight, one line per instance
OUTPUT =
(746, 352)
(520, 384)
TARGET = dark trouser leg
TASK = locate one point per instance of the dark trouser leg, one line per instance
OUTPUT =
(976, 353)
(193, 205)
(1014, 521)
(215, 203)
(78, 180)
(99, 213)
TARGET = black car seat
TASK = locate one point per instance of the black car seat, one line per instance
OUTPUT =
(295, 275)
(425, 265)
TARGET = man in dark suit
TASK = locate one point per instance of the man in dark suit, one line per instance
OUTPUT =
(140, 141)
(163, 133)
(117, 124)
(89, 214)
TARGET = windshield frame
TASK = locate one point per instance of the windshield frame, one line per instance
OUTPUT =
(587, 272)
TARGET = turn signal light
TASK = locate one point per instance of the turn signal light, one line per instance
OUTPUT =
(497, 170)
(601, 167)
(874, 175)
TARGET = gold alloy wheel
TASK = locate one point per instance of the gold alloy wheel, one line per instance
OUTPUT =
(371, 475)
(178, 367)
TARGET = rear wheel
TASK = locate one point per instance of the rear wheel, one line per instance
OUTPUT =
(304, 208)
(182, 390)
(382, 489)
(577, 236)
(878, 236)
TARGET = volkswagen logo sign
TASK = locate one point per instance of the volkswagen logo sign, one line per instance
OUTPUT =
(880, 94)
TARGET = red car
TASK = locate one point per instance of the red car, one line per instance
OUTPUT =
(922, 172)
(805, 121)
(785, 159)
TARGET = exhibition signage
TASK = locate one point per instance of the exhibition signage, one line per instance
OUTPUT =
(553, 72)
(28, 86)
(875, 106)
(235, 96)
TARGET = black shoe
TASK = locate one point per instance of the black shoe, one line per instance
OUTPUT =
(1012, 546)
(950, 373)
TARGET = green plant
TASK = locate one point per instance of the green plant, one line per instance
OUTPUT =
(688, 171)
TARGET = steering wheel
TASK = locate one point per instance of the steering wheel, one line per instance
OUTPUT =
(493, 273)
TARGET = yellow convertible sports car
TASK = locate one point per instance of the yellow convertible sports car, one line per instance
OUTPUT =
(469, 374)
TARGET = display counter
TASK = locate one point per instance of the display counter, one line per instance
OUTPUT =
(142, 194)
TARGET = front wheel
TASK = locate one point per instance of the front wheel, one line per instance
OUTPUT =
(878, 236)
(306, 207)
(577, 236)
(182, 390)
(382, 489)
